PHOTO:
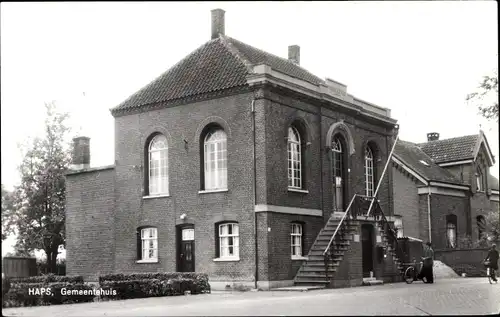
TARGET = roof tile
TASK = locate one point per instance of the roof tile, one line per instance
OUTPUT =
(450, 150)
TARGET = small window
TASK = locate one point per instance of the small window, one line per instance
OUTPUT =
(398, 224)
(148, 244)
(296, 240)
(481, 227)
(229, 241)
(451, 231)
(424, 163)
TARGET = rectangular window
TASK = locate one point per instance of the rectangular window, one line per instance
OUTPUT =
(296, 240)
(229, 241)
(149, 243)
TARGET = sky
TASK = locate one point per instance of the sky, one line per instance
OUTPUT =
(420, 59)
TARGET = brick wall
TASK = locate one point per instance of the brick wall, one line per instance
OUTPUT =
(89, 223)
(440, 207)
(280, 264)
(183, 125)
(350, 270)
(406, 203)
(469, 261)
(480, 205)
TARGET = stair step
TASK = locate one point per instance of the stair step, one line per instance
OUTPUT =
(319, 264)
(313, 276)
(310, 282)
(319, 252)
(317, 269)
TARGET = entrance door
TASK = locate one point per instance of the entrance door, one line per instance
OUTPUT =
(185, 256)
(367, 246)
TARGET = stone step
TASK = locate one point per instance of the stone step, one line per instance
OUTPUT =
(376, 282)
(324, 243)
(309, 282)
(321, 264)
(298, 288)
(311, 276)
(317, 269)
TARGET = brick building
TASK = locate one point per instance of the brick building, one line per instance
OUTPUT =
(443, 190)
(232, 163)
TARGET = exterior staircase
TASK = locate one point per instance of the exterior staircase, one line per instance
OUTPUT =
(314, 271)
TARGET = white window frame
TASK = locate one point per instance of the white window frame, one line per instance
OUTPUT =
(158, 184)
(451, 240)
(338, 181)
(369, 172)
(296, 241)
(294, 159)
(224, 239)
(149, 235)
(215, 151)
(398, 223)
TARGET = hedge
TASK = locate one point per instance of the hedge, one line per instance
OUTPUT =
(19, 296)
(140, 285)
(49, 278)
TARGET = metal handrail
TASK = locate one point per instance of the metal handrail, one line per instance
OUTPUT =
(383, 173)
(340, 223)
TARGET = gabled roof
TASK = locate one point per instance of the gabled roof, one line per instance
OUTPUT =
(450, 150)
(457, 149)
(414, 158)
(219, 64)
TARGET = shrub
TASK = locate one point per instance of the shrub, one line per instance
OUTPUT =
(140, 285)
(49, 278)
(19, 293)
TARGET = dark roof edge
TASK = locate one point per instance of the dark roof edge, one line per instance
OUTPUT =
(482, 137)
(91, 169)
(181, 101)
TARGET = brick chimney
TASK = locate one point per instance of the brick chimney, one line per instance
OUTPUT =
(294, 54)
(217, 23)
(81, 153)
(432, 136)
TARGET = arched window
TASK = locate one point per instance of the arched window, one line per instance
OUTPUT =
(369, 172)
(215, 159)
(338, 173)
(451, 231)
(158, 165)
(294, 159)
(481, 226)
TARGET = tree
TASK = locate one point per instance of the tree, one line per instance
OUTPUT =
(7, 212)
(40, 198)
(488, 89)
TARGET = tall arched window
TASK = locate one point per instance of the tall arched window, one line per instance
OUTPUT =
(451, 231)
(369, 172)
(338, 173)
(215, 159)
(294, 159)
(158, 165)
(479, 179)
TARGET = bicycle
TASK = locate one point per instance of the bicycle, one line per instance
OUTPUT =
(490, 272)
(410, 274)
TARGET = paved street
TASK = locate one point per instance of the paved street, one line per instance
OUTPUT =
(472, 296)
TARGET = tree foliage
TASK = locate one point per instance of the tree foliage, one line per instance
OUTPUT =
(7, 212)
(40, 198)
(486, 98)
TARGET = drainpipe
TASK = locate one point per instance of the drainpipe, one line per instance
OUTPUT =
(254, 185)
(429, 212)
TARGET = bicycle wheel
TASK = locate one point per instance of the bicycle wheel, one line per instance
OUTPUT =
(409, 275)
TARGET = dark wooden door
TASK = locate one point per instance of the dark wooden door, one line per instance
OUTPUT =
(186, 250)
(367, 246)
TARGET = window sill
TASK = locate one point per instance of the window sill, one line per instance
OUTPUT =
(147, 261)
(212, 191)
(155, 196)
(301, 258)
(296, 190)
(234, 259)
